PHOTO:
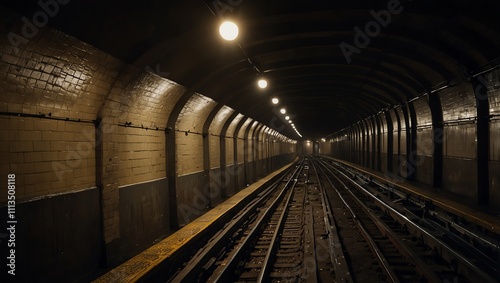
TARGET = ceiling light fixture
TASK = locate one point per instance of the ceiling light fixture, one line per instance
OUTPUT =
(283, 111)
(262, 83)
(228, 30)
(275, 100)
(287, 117)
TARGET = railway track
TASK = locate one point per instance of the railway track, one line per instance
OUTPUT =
(424, 247)
(320, 223)
(476, 249)
(287, 238)
(385, 242)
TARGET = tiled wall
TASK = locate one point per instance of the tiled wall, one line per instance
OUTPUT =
(230, 134)
(425, 148)
(141, 155)
(190, 147)
(48, 156)
(214, 135)
(262, 153)
(103, 138)
(241, 142)
(460, 150)
(58, 76)
(494, 151)
(251, 142)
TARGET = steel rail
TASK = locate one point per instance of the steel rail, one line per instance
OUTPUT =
(466, 247)
(310, 259)
(337, 256)
(472, 219)
(267, 263)
(473, 272)
(485, 241)
(402, 247)
(195, 266)
(223, 274)
(378, 253)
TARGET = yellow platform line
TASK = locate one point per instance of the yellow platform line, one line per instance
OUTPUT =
(140, 265)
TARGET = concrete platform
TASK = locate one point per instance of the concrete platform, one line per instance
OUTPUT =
(141, 266)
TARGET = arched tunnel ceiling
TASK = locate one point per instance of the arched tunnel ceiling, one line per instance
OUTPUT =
(297, 46)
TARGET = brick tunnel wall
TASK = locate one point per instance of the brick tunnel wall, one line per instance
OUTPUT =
(440, 133)
(218, 180)
(231, 163)
(86, 136)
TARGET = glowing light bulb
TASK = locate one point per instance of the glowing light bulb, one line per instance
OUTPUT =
(275, 100)
(228, 30)
(262, 83)
(283, 111)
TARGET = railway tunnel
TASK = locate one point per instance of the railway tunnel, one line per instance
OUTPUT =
(124, 122)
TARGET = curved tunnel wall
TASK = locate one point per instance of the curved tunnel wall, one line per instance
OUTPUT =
(87, 137)
(447, 139)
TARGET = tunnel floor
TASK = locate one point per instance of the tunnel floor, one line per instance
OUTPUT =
(322, 219)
